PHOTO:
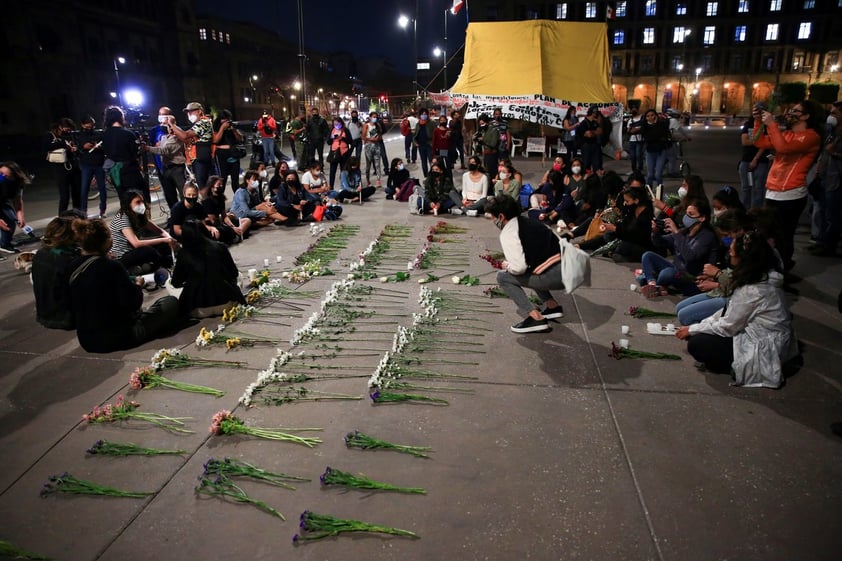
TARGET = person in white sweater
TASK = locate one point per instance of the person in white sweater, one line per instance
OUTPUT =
(474, 189)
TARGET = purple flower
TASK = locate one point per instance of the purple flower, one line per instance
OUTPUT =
(375, 395)
(295, 539)
(324, 476)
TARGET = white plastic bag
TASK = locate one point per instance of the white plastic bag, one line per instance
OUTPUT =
(575, 266)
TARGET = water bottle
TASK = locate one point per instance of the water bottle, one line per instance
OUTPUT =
(28, 230)
(750, 178)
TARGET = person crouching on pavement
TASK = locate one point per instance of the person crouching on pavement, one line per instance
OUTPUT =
(532, 260)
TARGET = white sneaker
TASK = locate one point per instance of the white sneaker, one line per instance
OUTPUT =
(456, 210)
(471, 212)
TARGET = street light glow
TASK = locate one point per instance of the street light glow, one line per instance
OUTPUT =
(254, 77)
(113, 94)
(297, 85)
(680, 67)
(121, 60)
(133, 97)
(403, 21)
(437, 52)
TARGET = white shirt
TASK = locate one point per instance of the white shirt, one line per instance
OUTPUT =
(308, 180)
(356, 129)
(474, 191)
(413, 122)
(512, 249)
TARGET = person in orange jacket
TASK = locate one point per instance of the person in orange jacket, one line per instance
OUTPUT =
(267, 127)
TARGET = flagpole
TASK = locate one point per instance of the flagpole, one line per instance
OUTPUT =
(445, 50)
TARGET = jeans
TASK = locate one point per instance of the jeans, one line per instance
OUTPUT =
(357, 147)
(425, 152)
(662, 271)
(788, 213)
(372, 158)
(227, 169)
(672, 159)
(829, 236)
(93, 172)
(384, 156)
(268, 151)
(444, 206)
(591, 156)
(752, 196)
(317, 146)
(513, 286)
(694, 309)
(636, 156)
(202, 169)
(8, 215)
(715, 352)
(655, 167)
(69, 186)
(338, 164)
(410, 148)
(172, 182)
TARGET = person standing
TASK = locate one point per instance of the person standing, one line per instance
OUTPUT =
(441, 141)
(267, 127)
(226, 137)
(487, 139)
(569, 124)
(372, 132)
(122, 147)
(655, 133)
(200, 134)
(796, 150)
(502, 126)
(457, 139)
(753, 168)
(830, 172)
(298, 138)
(423, 139)
(340, 147)
(12, 181)
(588, 133)
(91, 159)
(408, 125)
(317, 130)
(67, 175)
(173, 160)
(635, 142)
(355, 127)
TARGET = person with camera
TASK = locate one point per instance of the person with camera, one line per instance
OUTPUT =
(91, 160)
(200, 134)
(173, 159)
(830, 172)
(228, 141)
(61, 153)
(267, 127)
(122, 147)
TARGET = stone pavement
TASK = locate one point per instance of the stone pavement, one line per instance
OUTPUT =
(558, 452)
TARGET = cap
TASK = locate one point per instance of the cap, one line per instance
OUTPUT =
(194, 106)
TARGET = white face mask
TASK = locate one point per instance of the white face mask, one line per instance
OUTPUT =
(576, 169)
(400, 167)
(832, 121)
(139, 209)
(719, 212)
(192, 117)
(254, 184)
(504, 175)
(263, 173)
(682, 192)
(163, 119)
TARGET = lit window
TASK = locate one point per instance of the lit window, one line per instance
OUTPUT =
(203, 34)
(804, 30)
(651, 7)
(561, 10)
(681, 8)
(809, 4)
(213, 34)
(740, 34)
(742, 7)
(710, 35)
(679, 34)
(620, 10)
(228, 38)
(590, 10)
(676, 62)
(775, 5)
(648, 35)
(772, 32)
(712, 8)
(619, 37)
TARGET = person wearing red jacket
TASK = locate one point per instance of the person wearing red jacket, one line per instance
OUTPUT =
(267, 127)
(796, 150)
(441, 141)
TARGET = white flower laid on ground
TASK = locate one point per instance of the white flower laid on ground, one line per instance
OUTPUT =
(265, 377)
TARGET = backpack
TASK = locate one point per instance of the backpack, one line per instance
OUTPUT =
(405, 190)
(405, 130)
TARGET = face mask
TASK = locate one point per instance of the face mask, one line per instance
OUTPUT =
(504, 175)
(139, 209)
(374, 119)
(472, 167)
(682, 192)
(253, 184)
(688, 221)
(337, 126)
(192, 117)
(832, 121)
(435, 174)
(726, 241)
(442, 123)
(557, 167)
(355, 119)
(423, 117)
(400, 167)
(719, 212)
(499, 223)
(576, 169)
(191, 200)
(163, 119)
(263, 173)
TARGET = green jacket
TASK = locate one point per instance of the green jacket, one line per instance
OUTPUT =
(437, 191)
(430, 125)
(490, 139)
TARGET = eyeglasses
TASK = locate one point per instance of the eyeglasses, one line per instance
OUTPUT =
(797, 111)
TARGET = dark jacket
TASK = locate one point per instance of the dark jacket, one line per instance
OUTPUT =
(50, 276)
(95, 157)
(208, 275)
(691, 252)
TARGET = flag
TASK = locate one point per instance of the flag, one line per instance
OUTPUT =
(457, 5)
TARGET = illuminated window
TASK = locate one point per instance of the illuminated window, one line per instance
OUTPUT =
(681, 8)
(809, 4)
(804, 30)
(742, 7)
(620, 10)
(590, 10)
(213, 34)
(676, 62)
(651, 7)
(203, 34)
(679, 34)
(740, 34)
(772, 32)
(775, 5)
(710, 35)
(649, 36)
(228, 38)
(619, 37)
(561, 10)
(712, 8)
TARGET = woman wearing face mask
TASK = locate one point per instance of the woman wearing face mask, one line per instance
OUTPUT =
(281, 171)
(507, 183)
(231, 228)
(632, 230)
(138, 243)
(372, 132)
(457, 139)
(352, 184)
(422, 139)
(724, 200)
(437, 188)
(247, 204)
(340, 147)
(398, 175)
(752, 338)
(441, 141)
(315, 183)
(293, 201)
(190, 207)
(558, 166)
(569, 124)
(474, 188)
(693, 245)
(692, 187)
(226, 137)
(67, 173)
(575, 180)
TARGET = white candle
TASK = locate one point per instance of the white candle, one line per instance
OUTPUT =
(624, 343)
(633, 287)
(278, 259)
(252, 274)
(624, 329)
(265, 262)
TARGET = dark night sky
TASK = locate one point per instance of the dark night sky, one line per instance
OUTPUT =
(370, 29)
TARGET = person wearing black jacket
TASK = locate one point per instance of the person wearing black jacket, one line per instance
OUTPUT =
(293, 201)
(532, 260)
(91, 158)
(656, 138)
(51, 272)
(317, 130)
(633, 230)
(122, 147)
(588, 134)
(67, 174)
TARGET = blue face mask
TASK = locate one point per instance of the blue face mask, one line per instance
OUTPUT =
(689, 221)
(726, 241)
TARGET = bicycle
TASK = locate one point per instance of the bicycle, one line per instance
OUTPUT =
(154, 183)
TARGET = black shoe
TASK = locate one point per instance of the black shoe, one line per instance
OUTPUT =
(553, 313)
(530, 325)
(9, 249)
(389, 198)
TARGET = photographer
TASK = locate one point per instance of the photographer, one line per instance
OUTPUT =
(122, 147)
(267, 127)
(200, 134)
(91, 159)
(61, 153)
(226, 137)
(173, 159)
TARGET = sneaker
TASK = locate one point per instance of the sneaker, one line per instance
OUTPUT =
(553, 313)
(471, 212)
(9, 249)
(456, 210)
(530, 325)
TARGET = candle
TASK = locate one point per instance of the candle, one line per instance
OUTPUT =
(624, 343)
(278, 259)
(265, 262)
(624, 329)
(252, 274)
(633, 287)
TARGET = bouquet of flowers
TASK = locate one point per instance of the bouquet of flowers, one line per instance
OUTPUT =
(222, 486)
(317, 526)
(362, 441)
(148, 377)
(333, 476)
(66, 483)
(224, 422)
(378, 396)
(621, 352)
(400, 276)
(230, 339)
(639, 312)
(174, 358)
(230, 467)
(429, 278)
(124, 410)
(106, 448)
(307, 270)
(467, 280)
(261, 278)
(494, 259)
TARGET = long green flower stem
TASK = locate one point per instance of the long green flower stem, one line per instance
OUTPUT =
(224, 487)
(333, 476)
(106, 448)
(389, 384)
(66, 483)
(292, 394)
(378, 396)
(356, 439)
(317, 526)
(11, 551)
(231, 467)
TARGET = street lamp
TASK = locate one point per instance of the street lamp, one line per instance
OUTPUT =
(119, 60)
(403, 21)
(696, 90)
(680, 67)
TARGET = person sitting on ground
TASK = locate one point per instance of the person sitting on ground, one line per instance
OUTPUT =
(753, 336)
(547, 197)
(207, 273)
(106, 303)
(315, 183)
(532, 260)
(50, 274)
(442, 163)
(506, 183)
(139, 244)
(474, 188)
(246, 204)
(693, 245)
(231, 228)
(437, 188)
(351, 180)
(398, 175)
(724, 200)
(692, 188)
(293, 202)
(281, 171)
(190, 207)
(633, 231)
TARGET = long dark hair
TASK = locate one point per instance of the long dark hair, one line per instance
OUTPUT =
(137, 221)
(193, 237)
(756, 259)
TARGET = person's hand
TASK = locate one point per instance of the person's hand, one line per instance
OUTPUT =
(670, 226)
(138, 280)
(659, 204)
(4, 226)
(710, 270)
(654, 227)
(609, 228)
(767, 118)
(542, 217)
(505, 265)
(752, 165)
(434, 206)
(213, 232)
(706, 285)
(683, 333)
